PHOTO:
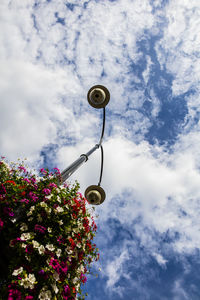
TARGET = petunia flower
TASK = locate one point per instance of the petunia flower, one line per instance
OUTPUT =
(40, 229)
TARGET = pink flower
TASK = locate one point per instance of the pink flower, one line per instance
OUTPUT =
(29, 249)
(64, 267)
(46, 191)
(43, 171)
(26, 179)
(33, 196)
(33, 180)
(61, 240)
(22, 169)
(52, 185)
(2, 189)
(14, 242)
(40, 228)
(1, 224)
(57, 171)
(14, 294)
(83, 278)
(24, 200)
(8, 211)
(28, 298)
(67, 293)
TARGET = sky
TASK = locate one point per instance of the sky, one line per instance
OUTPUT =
(147, 54)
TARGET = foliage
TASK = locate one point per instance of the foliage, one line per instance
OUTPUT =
(46, 235)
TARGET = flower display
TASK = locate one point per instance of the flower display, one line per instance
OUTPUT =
(46, 236)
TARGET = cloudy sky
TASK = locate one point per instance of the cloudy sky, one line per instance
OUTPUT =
(147, 54)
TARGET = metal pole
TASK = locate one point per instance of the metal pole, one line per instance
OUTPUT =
(76, 164)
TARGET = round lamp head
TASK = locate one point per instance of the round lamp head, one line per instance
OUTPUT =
(95, 195)
(98, 96)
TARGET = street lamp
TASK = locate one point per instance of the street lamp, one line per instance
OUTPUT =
(98, 97)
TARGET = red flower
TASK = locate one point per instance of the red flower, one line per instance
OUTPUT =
(10, 181)
(73, 245)
(88, 244)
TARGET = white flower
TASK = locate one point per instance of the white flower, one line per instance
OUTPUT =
(56, 276)
(25, 236)
(68, 251)
(62, 187)
(43, 204)
(59, 209)
(58, 252)
(23, 245)
(32, 278)
(28, 258)
(60, 222)
(30, 219)
(35, 244)
(30, 211)
(45, 295)
(23, 227)
(58, 198)
(56, 290)
(18, 271)
(50, 247)
(49, 196)
(41, 249)
(82, 269)
(75, 280)
(49, 229)
(28, 282)
(48, 210)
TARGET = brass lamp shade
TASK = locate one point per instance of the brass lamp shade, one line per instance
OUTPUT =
(98, 96)
(95, 194)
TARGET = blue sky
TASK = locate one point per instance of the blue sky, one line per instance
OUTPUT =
(147, 54)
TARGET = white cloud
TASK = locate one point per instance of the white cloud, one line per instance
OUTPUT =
(179, 47)
(114, 269)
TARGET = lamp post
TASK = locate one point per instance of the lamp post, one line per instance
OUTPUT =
(98, 97)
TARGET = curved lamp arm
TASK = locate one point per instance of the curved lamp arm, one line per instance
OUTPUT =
(98, 97)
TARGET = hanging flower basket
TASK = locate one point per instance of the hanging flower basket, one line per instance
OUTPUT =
(46, 236)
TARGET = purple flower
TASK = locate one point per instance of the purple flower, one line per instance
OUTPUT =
(33, 196)
(40, 228)
(43, 274)
(8, 211)
(46, 191)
